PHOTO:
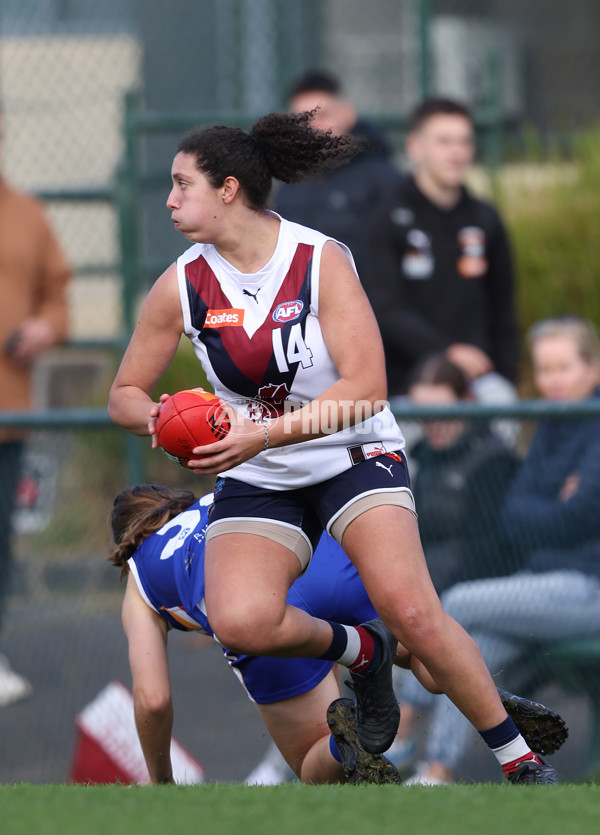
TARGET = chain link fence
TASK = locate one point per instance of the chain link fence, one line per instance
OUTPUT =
(65, 68)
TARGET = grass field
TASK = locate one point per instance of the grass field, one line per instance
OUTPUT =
(295, 809)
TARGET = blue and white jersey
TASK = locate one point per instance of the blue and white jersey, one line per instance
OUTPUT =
(169, 569)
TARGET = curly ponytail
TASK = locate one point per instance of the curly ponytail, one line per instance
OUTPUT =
(294, 150)
(280, 145)
(140, 511)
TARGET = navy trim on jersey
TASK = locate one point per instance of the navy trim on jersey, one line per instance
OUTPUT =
(254, 371)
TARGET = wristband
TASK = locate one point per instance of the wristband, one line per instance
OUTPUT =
(266, 436)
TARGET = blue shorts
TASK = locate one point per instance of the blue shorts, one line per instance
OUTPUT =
(331, 589)
(311, 509)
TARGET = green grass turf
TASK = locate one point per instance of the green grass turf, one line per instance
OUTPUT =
(295, 809)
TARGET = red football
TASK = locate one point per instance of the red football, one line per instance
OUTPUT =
(189, 419)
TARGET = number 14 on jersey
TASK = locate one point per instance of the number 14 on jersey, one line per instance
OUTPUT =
(297, 349)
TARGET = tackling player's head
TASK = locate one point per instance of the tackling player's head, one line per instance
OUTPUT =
(140, 511)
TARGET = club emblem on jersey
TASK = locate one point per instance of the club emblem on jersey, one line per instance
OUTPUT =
(286, 311)
(269, 402)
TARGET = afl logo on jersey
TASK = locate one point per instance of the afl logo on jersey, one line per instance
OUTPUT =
(287, 311)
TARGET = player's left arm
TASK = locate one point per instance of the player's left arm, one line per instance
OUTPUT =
(353, 340)
(153, 705)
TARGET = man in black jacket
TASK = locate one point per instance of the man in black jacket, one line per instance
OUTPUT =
(342, 203)
(439, 273)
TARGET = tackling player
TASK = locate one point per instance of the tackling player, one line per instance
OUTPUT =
(159, 538)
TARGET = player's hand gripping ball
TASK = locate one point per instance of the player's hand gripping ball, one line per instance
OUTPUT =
(189, 419)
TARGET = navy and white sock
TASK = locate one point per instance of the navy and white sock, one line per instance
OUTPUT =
(508, 745)
(353, 647)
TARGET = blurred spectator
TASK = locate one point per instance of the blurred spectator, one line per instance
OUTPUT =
(463, 470)
(342, 202)
(440, 276)
(33, 317)
(551, 517)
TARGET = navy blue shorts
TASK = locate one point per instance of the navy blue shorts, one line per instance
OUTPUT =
(315, 507)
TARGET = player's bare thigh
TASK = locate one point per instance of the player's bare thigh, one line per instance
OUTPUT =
(247, 580)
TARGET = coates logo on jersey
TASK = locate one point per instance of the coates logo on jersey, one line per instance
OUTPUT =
(227, 318)
(286, 311)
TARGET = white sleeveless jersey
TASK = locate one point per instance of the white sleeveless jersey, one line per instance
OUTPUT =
(260, 343)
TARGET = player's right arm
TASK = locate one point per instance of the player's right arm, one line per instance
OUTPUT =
(152, 701)
(151, 349)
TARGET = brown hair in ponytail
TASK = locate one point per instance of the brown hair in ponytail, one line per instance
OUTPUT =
(140, 511)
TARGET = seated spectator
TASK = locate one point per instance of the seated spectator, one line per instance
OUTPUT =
(463, 470)
(339, 204)
(551, 517)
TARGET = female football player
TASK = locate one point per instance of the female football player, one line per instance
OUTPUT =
(284, 331)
